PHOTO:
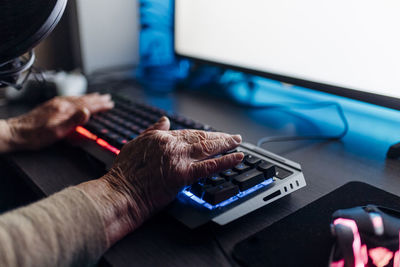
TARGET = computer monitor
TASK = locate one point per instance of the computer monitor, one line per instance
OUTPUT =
(345, 47)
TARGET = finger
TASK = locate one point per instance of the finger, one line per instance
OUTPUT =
(195, 136)
(89, 96)
(162, 124)
(96, 102)
(81, 116)
(208, 167)
(100, 106)
(92, 94)
(207, 148)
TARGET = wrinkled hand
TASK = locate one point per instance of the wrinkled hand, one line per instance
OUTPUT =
(151, 169)
(54, 120)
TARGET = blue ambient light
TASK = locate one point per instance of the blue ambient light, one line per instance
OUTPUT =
(242, 194)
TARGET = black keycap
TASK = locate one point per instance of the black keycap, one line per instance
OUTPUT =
(109, 124)
(121, 142)
(173, 126)
(119, 120)
(180, 127)
(111, 138)
(241, 168)
(137, 120)
(282, 174)
(141, 113)
(228, 174)
(99, 119)
(127, 124)
(267, 168)
(111, 117)
(136, 129)
(103, 131)
(178, 118)
(126, 133)
(215, 180)
(230, 151)
(93, 126)
(251, 160)
(152, 118)
(122, 114)
(132, 136)
(217, 194)
(197, 190)
(248, 179)
(159, 112)
(118, 129)
(146, 124)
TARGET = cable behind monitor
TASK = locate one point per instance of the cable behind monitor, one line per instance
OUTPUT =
(311, 106)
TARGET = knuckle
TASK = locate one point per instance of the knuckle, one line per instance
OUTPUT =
(159, 137)
(205, 146)
(191, 138)
(232, 140)
(208, 147)
(202, 135)
(164, 139)
(185, 132)
(61, 105)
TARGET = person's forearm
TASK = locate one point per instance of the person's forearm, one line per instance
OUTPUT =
(66, 229)
(5, 137)
(73, 227)
(120, 212)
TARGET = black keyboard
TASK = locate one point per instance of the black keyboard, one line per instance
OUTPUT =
(128, 120)
(258, 172)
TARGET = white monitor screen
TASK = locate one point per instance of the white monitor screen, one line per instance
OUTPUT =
(353, 44)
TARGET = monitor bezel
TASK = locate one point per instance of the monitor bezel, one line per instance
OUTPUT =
(376, 99)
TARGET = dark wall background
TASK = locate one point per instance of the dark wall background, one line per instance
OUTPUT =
(60, 51)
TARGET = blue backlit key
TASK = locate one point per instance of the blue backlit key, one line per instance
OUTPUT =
(229, 174)
(215, 180)
(251, 160)
(217, 194)
(267, 168)
(241, 168)
(248, 179)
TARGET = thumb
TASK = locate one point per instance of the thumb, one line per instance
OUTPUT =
(81, 116)
(162, 124)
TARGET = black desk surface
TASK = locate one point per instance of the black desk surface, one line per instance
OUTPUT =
(163, 241)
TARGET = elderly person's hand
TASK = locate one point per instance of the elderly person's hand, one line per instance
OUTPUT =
(51, 121)
(151, 169)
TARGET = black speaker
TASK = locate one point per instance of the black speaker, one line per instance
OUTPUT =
(23, 25)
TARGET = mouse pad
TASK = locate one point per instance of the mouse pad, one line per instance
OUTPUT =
(304, 238)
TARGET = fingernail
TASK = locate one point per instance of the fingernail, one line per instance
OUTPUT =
(237, 138)
(86, 111)
(82, 116)
(163, 118)
(239, 156)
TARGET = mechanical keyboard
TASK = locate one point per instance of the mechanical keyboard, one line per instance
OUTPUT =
(260, 179)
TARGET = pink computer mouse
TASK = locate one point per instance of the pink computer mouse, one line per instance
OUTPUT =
(365, 236)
